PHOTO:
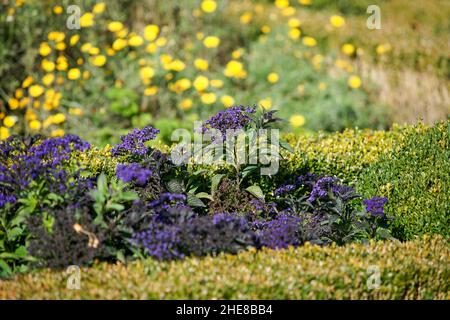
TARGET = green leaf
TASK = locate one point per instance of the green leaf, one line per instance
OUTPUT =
(193, 201)
(256, 191)
(102, 184)
(21, 252)
(204, 195)
(285, 145)
(215, 181)
(4, 267)
(174, 186)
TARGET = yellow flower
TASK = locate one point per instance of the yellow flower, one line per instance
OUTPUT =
(294, 33)
(236, 54)
(201, 83)
(246, 18)
(176, 65)
(309, 41)
(208, 98)
(122, 33)
(383, 48)
(61, 63)
(227, 101)
(211, 42)
(48, 79)
(294, 23)
(47, 66)
(208, 6)
(60, 46)
(13, 103)
(98, 61)
(151, 32)
(305, 2)
(24, 102)
(297, 120)
(76, 111)
(147, 72)
(151, 48)
(18, 93)
(273, 77)
(74, 39)
(58, 118)
(9, 121)
(265, 29)
(115, 26)
(4, 133)
(57, 10)
(348, 49)
(135, 41)
(119, 44)
(337, 21)
(186, 104)
(86, 47)
(289, 11)
(322, 85)
(235, 69)
(354, 82)
(56, 36)
(36, 90)
(341, 64)
(199, 35)
(87, 20)
(44, 49)
(34, 125)
(180, 85)
(57, 133)
(73, 74)
(216, 83)
(282, 3)
(201, 64)
(161, 42)
(27, 82)
(94, 51)
(151, 91)
(99, 8)
(266, 103)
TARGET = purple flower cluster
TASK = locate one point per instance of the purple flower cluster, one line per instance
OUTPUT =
(375, 206)
(133, 172)
(23, 160)
(321, 188)
(230, 119)
(281, 232)
(285, 189)
(133, 142)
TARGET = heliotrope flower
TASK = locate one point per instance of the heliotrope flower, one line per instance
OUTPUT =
(133, 172)
(375, 206)
(133, 142)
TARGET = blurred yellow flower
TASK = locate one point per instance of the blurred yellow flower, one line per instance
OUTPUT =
(236, 54)
(341, 64)
(94, 51)
(176, 65)
(297, 120)
(151, 91)
(76, 111)
(57, 133)
(48, 79)
(4, 133)
(282, 3)
(58, 118)
(289, 11)
(245, 18)
(98, 61)
(44, 49)
(294, 23)
(61, 63)
(151, 32)
(60, 46)
(294, 33)
(322, 85)
(24, 102)
(186, 104)
(86, 47)
(73, 74)
(147, 72)
(135, 41)
(354, 82)
(47, 66)
(208, 6)
(180, 85)
(348, 49)
(13, 103)
(99, 8)
(115, 26)
(34, 125)
(201, 83)
(337, 21)
(74, 39)
(35, 90)
(161, 42)
(56, 36)
(119, 44)
(199, 35)
(57, 9)
(27, 82)
(309, 41)
(266, 103)
(265, 29)
(305, 2)
(211, 42)
(208, 98)
(201, 64)
(383, 48)
(235, 69)
(87, 20)
(273, 77)
(227, 101)
(9, 121)
(151, 48)
(216, 83)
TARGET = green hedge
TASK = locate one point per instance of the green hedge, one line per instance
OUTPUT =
(413, 270)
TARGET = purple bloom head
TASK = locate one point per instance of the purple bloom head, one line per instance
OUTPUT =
(321, 188)
(375, 206)
(133, 172)
(234, 118)
(281, 232)
(283, 190)
(133, 142)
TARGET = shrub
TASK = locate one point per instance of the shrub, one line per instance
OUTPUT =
(415, 177)
(411, 270)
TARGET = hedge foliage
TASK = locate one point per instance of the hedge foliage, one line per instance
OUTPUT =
(413, 270)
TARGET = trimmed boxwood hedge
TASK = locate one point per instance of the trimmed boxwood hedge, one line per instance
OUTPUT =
(413, 270)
